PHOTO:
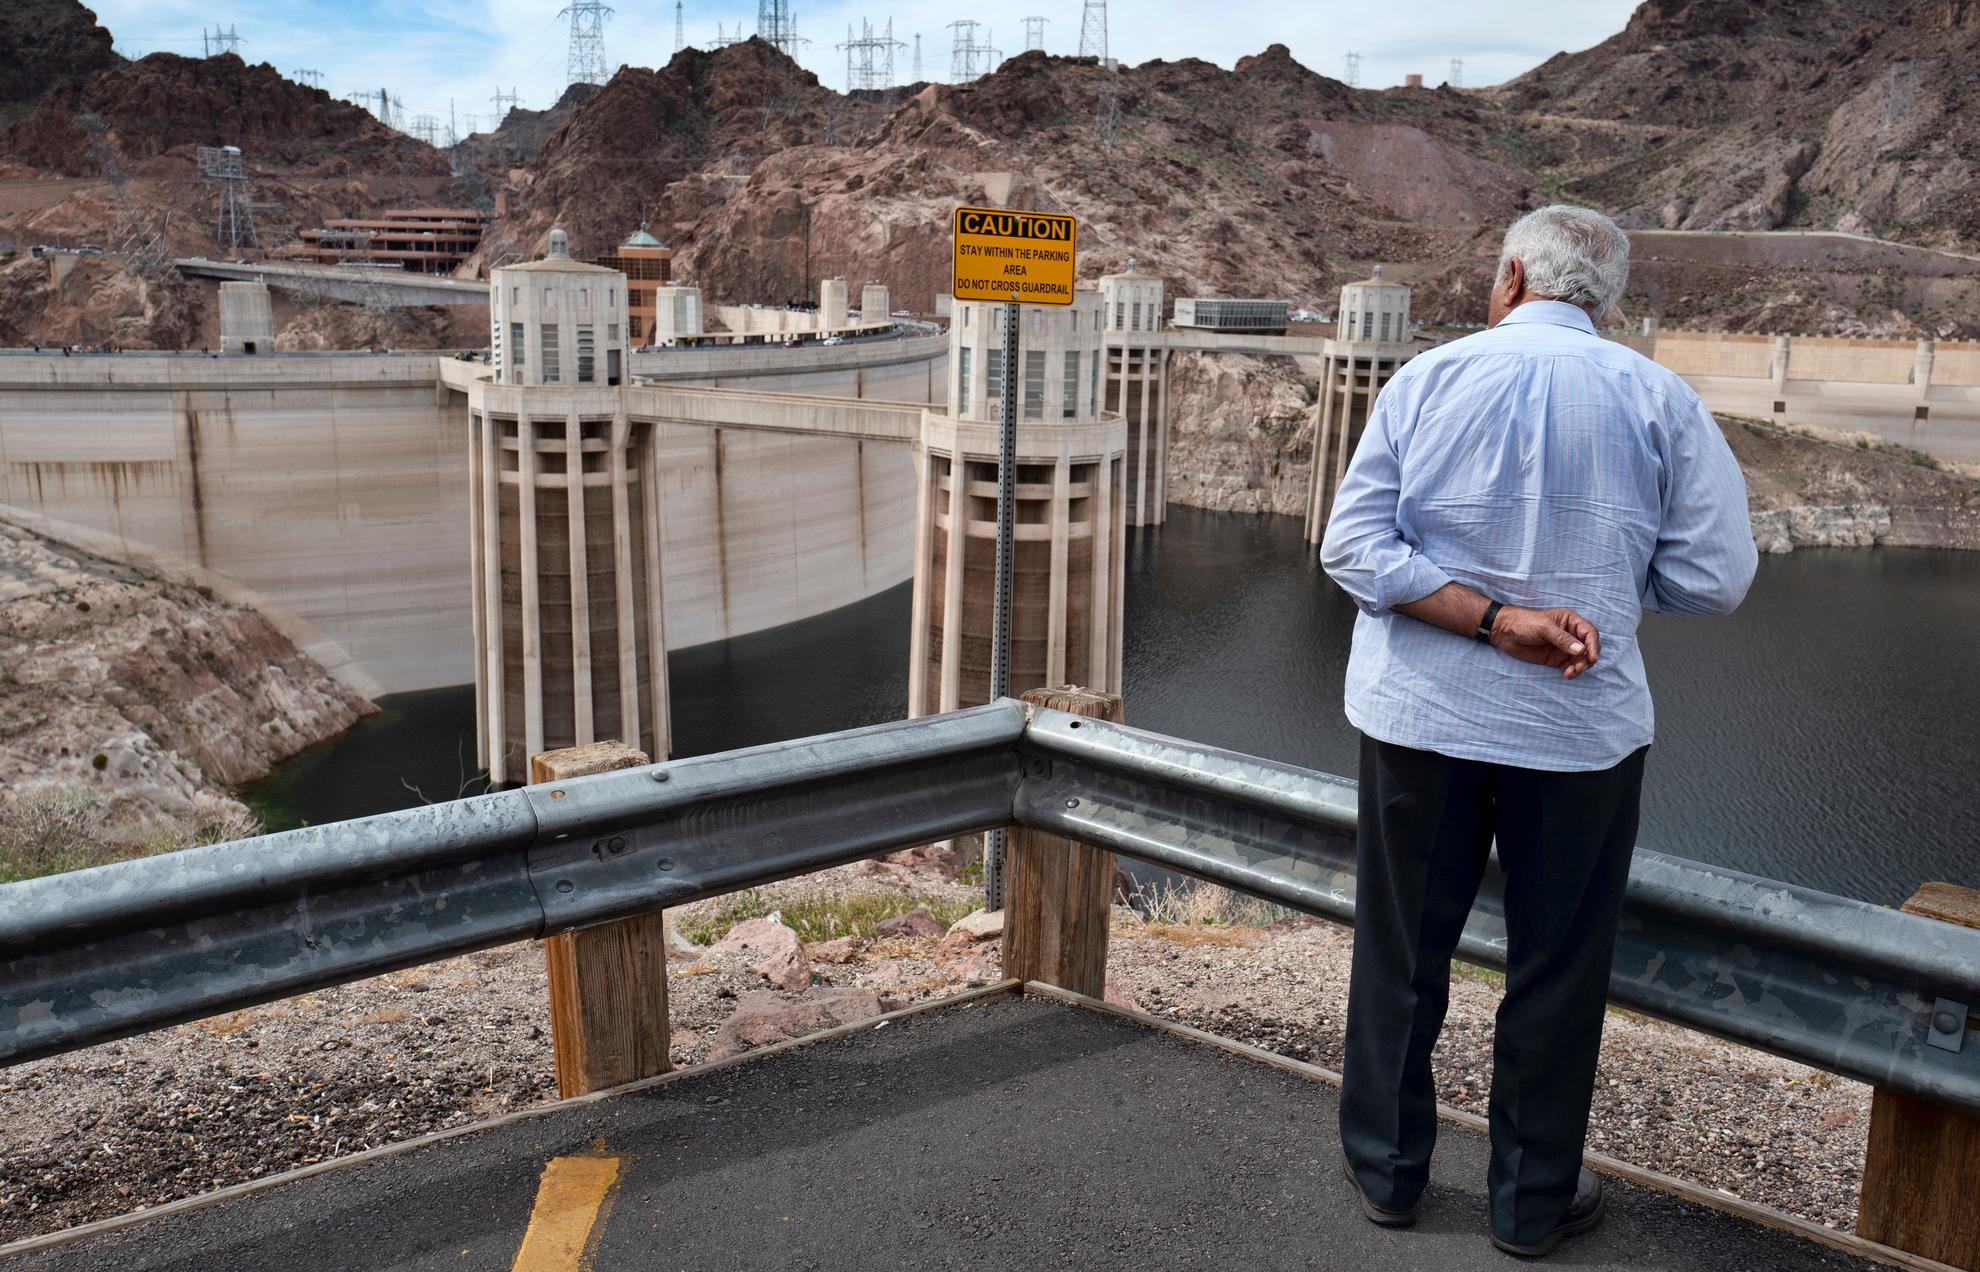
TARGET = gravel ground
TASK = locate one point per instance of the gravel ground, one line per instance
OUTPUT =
(131, 1124)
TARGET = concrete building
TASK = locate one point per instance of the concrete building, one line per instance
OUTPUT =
(677, 313)
(422, 240)
(1071, 489)
(833, 305)
(247, 320)
(648, 265)
(558, 321)
(1235, 317)
(1373, 339)
(564, 525)
(1137, 387)
(876, 303)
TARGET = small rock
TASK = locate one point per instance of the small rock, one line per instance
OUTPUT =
(915, 923)
(778, 952)
(841, 950)
(762, 1018)
(983, 925)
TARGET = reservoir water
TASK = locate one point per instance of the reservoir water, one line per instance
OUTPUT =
(1828, 734)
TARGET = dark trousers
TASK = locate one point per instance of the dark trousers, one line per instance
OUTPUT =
(1427, 826)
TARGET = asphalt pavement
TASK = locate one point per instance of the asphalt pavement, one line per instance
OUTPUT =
(1004, 1133)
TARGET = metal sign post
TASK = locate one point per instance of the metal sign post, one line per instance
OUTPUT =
(1000, 613)
(1008, 256)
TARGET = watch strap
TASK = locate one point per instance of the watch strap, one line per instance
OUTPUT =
(1484, 632)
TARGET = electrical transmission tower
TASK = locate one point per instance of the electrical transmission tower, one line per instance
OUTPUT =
(969, 57)
(1093, 31)
(312, 78)
(1897, 95)
(397, 119)
(1034, 34)
(426, 128)
(680, 28)
(778, 26)
(1457, 72)
(235, 224)
(1353, 75)
(870, 57)
(218, 41)
(586, 63)
(917, 57)
(504, 103)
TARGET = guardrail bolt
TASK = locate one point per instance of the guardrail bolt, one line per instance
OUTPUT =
(660, 775)
(1072, 803)
(1945, 1022)
(1037, 768)
(565, 885)
(666, 863)
(615, 845)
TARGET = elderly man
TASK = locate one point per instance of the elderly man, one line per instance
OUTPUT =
(1519, 497)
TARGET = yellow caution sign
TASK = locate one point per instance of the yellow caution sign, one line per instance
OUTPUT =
(1003, 255)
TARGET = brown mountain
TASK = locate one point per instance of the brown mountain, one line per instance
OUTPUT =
(165, 103)
(44, 43)
(1762, 114)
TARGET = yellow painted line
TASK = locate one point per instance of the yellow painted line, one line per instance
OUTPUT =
(571, 1202)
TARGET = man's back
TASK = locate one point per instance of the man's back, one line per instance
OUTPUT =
(1545, 467)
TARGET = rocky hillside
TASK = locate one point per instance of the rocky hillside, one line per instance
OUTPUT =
(167, 104)
(145, 698)
(44, 43)
(1267, 178)
(1760, 114)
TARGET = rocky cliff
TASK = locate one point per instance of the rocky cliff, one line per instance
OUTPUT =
(1240, 433)
(44, 43)
(148, 697)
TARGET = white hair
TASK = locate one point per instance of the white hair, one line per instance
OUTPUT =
(1571, 254)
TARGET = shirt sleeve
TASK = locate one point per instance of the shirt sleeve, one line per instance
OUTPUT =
(1364, 549)
(1705, 558)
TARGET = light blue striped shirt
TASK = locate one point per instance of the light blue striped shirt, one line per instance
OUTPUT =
(1544, 466)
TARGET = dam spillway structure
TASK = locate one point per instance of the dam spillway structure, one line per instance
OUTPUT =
(1137, 387)
(1069, 517)
(565, 520)
(1370, 344)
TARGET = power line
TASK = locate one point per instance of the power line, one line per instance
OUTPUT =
(1093, 31)
(504, 103)
(778, 26)
(586, 62)
(870, 57)
(312, 78)
(218, 41)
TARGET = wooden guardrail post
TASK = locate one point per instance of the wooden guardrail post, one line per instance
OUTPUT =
(1058, 894)
(608, 984)
(1922, 1165)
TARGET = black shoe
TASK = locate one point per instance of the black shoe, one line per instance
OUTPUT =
(1584, 1212)
(1387, 1218)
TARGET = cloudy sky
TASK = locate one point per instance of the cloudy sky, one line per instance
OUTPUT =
(429, 52)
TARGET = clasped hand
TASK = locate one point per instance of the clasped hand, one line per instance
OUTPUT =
(1551, 637)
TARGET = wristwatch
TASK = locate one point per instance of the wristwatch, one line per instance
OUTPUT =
(1484, 632)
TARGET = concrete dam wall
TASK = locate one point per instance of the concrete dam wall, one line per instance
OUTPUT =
(332, 492)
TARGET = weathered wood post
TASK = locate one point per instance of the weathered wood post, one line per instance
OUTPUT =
(1059, 892)
(1923, 1161)
(608, 984)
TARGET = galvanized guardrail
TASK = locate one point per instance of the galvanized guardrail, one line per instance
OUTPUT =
(1873, 994)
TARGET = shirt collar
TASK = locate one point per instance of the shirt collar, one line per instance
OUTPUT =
(1557, 312)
